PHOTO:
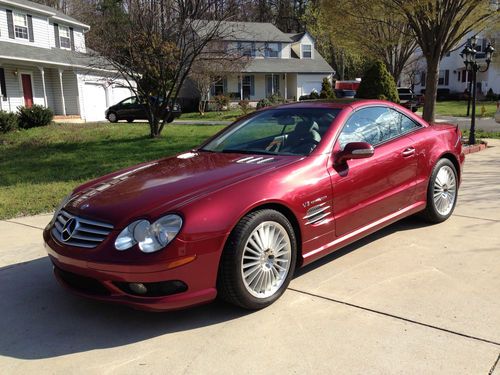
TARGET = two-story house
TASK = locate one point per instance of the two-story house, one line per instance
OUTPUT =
(278, 63)
(44, 60)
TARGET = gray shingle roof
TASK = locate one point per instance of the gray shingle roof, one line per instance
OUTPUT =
(42, 8)
(246, 31)
(292, 65)
(50, 56)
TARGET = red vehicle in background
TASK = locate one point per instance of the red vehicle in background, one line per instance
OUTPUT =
(236, 216)
(346, 89)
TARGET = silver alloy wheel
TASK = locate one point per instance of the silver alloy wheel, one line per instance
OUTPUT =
(112, 117)
(445, 190)
(266, 259)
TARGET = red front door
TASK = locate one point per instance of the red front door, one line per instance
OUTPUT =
(27, 90)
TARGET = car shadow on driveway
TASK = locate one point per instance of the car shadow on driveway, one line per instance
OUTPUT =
(39, 319)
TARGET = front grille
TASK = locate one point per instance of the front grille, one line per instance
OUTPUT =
(76, 231)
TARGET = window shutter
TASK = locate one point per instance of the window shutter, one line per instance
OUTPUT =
(422, 79)
(252, 85)
(446, 77)
(56, 35)
(266, 49)
(72, 37)
(31, 37)
(279, 50)
(3, 87)
(212, 90)
(10, 24)
(239, 48)
(224, 84)
(239, 85)
(253, 49)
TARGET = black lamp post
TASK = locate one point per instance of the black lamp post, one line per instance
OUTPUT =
(472, 65)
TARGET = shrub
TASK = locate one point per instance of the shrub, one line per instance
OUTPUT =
(34, 117)
(490, 95)
(244, 106)
(377, 83)
(263, 103)
(314, 95)
(326, 90)
(221, 102)
(8, 122)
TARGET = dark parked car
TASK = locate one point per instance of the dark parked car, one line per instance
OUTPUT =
(408, 99)
(237, 215)
(133, 108)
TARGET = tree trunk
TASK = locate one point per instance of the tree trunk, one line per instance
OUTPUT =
(154, 127)
(431, 83)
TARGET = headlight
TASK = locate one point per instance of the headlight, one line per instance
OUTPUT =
(149, 237)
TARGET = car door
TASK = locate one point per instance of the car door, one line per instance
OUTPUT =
(365, 190)
(125, 109)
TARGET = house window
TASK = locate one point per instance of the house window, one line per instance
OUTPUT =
(20, 26)
(247, 87)
(272, 50)
(306, 51)
(64, 37)
(444, 76)
(272, 84)
(219, 87)
(247, 49)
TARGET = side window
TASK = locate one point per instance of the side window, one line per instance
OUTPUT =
(375, 125)
(362, 127)
(129, 101)
(407, 125)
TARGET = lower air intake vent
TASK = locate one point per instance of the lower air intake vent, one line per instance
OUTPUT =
(76, 231)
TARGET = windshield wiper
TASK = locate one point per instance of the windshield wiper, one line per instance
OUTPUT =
(250, 151)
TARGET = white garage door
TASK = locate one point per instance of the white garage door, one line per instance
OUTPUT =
(95, 102)
(120, 93)
(308, 87)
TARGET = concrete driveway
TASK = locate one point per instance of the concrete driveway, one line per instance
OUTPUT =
(411, 299)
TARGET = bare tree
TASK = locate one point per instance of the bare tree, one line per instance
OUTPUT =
(209, 69)
(438, 26)
(153, 45)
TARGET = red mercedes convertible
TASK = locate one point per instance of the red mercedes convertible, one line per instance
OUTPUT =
(236, 216)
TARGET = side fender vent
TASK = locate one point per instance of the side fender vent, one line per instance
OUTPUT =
(255, 160)
(316, 214)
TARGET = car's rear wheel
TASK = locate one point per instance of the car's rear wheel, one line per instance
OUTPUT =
(112, 117)
(258, 260)
(441, 192)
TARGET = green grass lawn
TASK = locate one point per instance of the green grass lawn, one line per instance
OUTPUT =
(481, 134)
(230, 115)
(38, 167)
(459, 108)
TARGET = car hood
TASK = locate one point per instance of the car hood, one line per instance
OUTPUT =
(153, 188)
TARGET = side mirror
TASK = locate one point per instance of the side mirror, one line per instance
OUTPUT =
(354, 150)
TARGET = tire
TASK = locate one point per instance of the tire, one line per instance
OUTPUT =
(442, 192)
(130, 120)
(112, 117)
(252, 275)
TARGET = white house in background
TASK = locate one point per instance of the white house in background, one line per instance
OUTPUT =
(452, 74)
(43, 61)
(280, 63)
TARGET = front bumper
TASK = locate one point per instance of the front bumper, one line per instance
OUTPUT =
(109, 282)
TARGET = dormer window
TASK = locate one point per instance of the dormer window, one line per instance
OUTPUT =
(64, 37)
(247, 49)
(20, 25)
(306, 51)
(272, 50)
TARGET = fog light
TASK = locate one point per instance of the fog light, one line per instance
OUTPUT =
(138, 288)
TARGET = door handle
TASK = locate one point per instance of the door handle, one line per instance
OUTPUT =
(408, 152)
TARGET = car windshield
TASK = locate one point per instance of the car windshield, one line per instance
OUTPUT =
(284, 131)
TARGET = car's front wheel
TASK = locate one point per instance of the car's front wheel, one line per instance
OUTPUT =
(258, 260)
(442, 192)
(112, 117)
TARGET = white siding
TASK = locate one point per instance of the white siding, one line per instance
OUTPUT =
(40, 32)
(79, 40)
(285, 50)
